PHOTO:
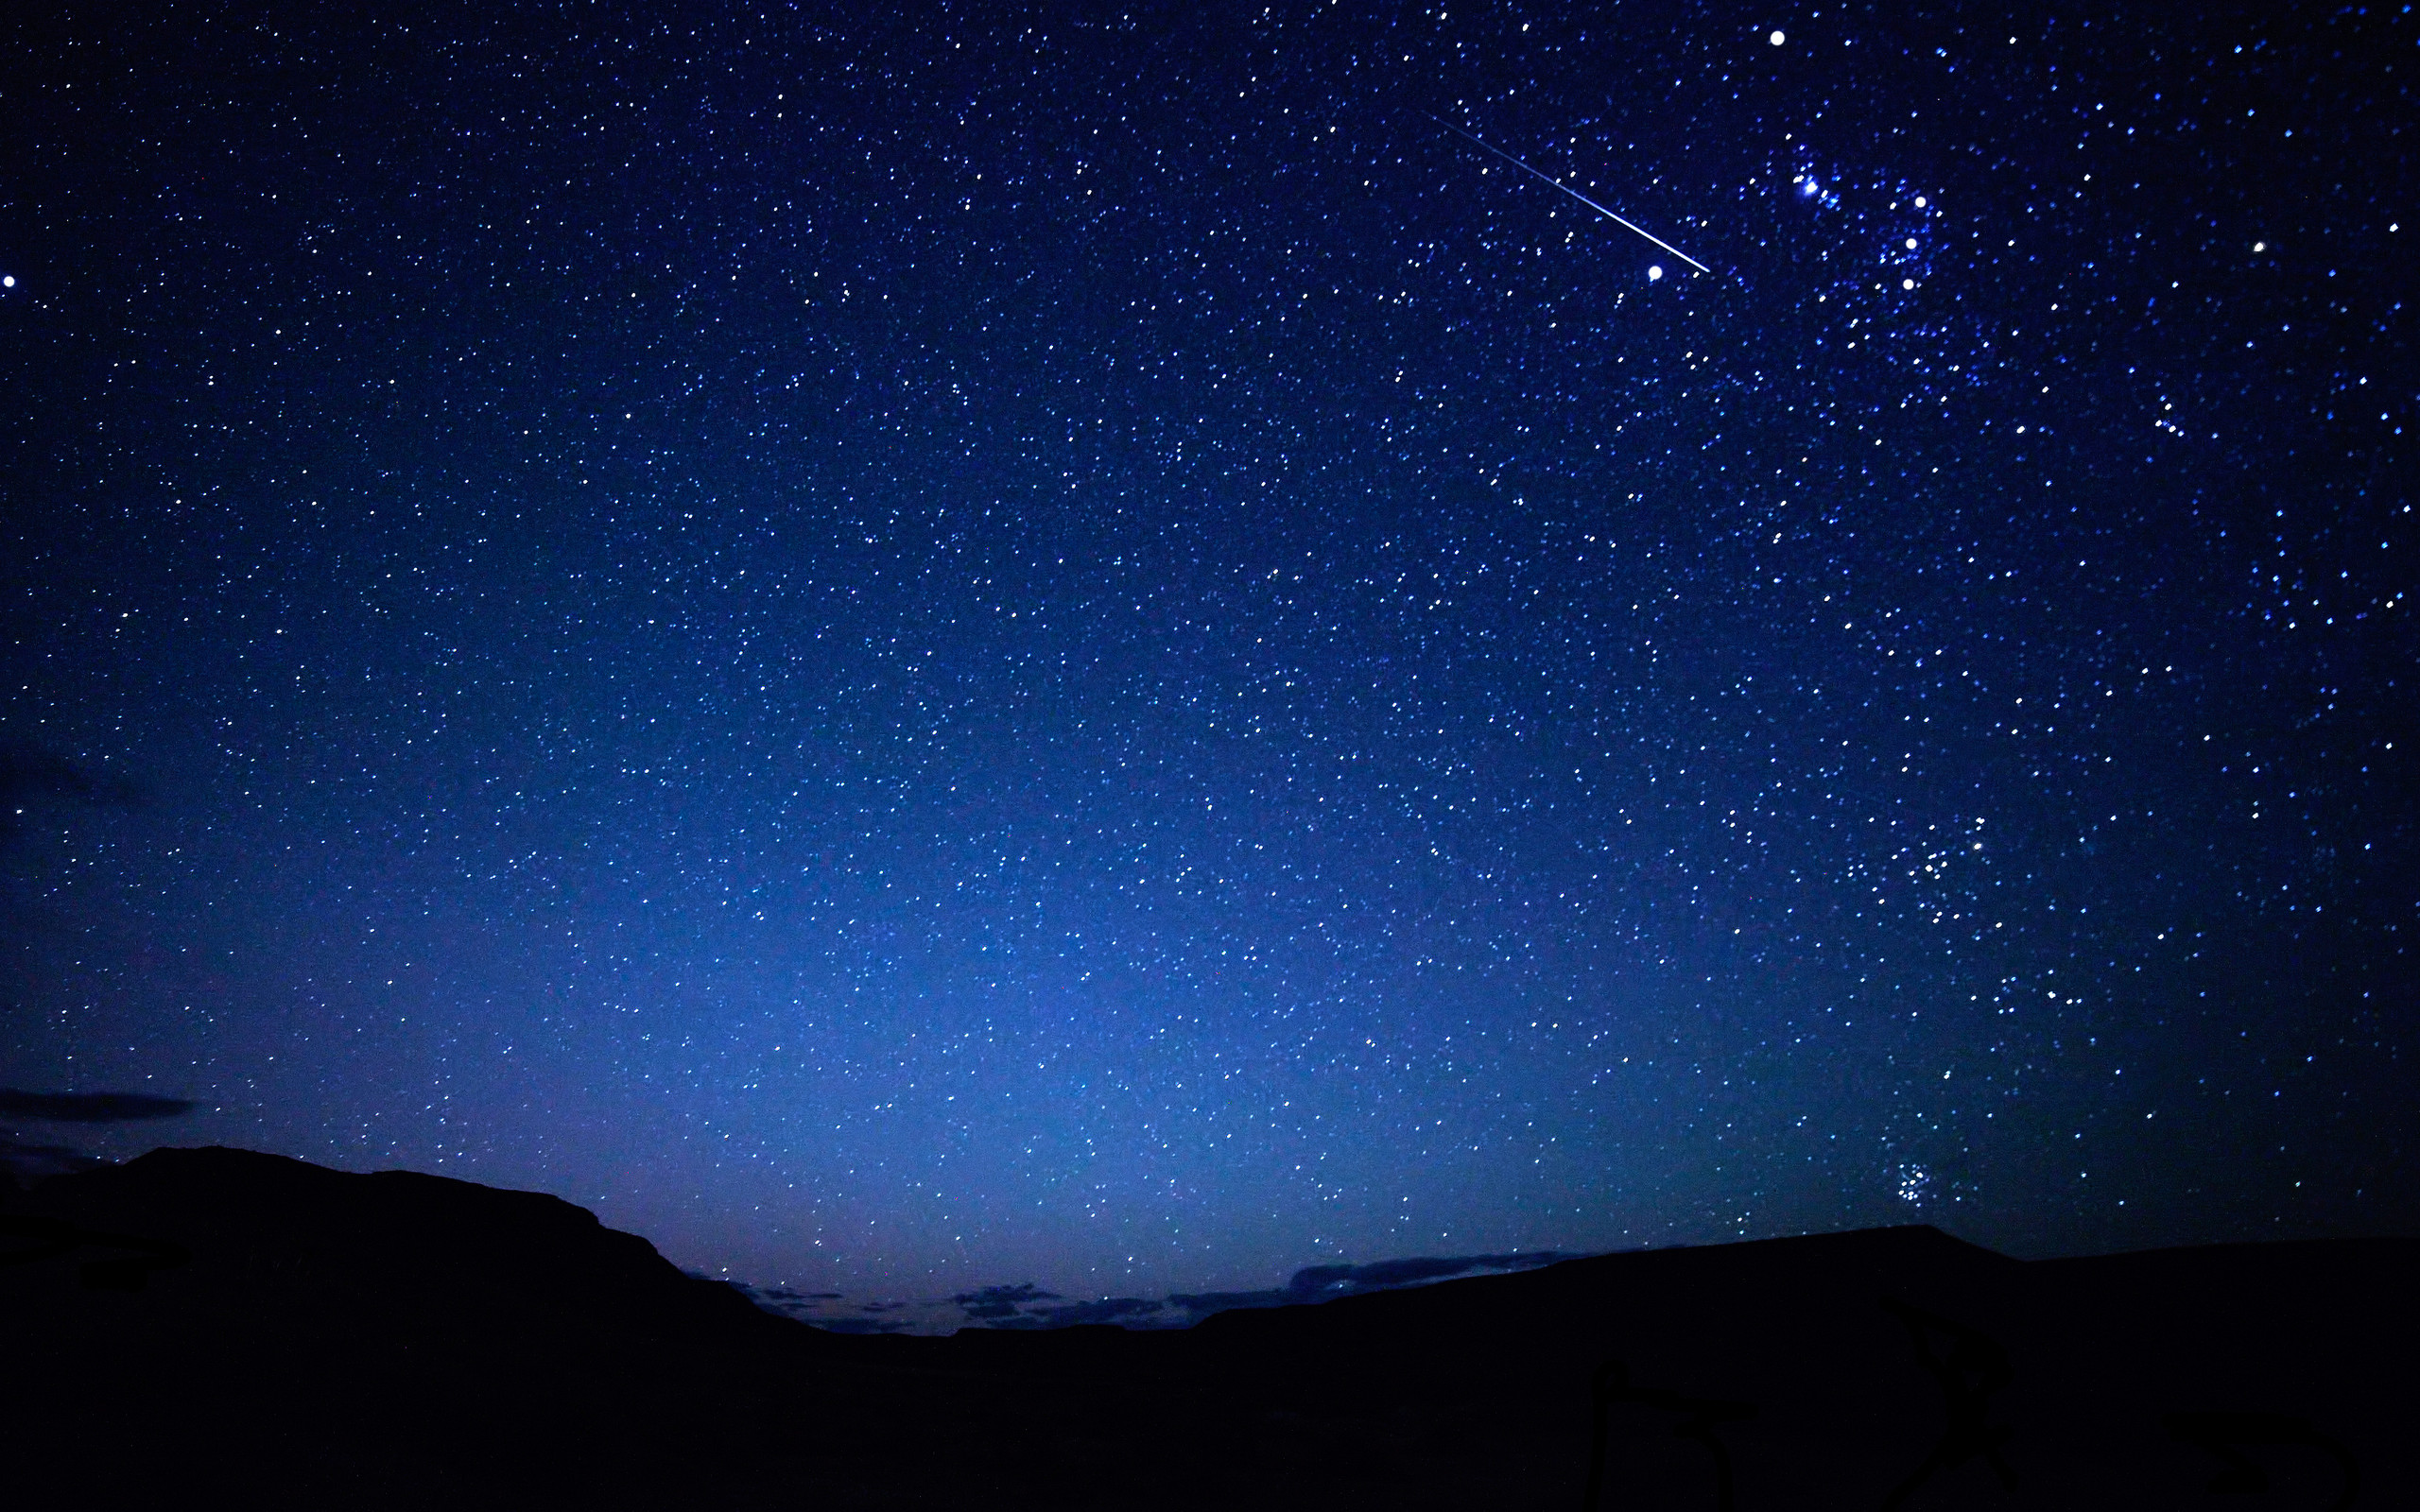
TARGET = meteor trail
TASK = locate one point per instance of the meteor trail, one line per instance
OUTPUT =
(1573, 192)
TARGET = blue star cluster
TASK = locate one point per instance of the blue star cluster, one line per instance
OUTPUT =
(953, 645)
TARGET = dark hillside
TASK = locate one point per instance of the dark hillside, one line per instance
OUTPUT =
(363, 1341)
(217, 1327)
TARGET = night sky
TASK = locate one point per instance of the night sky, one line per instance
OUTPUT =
(926, 647)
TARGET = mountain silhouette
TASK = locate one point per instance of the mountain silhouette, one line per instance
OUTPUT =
(219, 1327)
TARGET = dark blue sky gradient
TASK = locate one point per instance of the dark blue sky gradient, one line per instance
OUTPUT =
(948, 648)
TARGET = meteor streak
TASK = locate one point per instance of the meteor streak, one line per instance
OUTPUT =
(1573, 192)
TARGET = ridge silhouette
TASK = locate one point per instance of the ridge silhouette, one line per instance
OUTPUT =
(266, 1332)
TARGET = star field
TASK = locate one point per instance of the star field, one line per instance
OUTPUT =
(967, 648)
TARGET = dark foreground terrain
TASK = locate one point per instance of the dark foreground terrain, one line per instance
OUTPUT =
(224, 1329)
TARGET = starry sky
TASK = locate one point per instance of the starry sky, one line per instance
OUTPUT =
(926, 647)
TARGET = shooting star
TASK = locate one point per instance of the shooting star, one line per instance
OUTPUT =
(1575, 194)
